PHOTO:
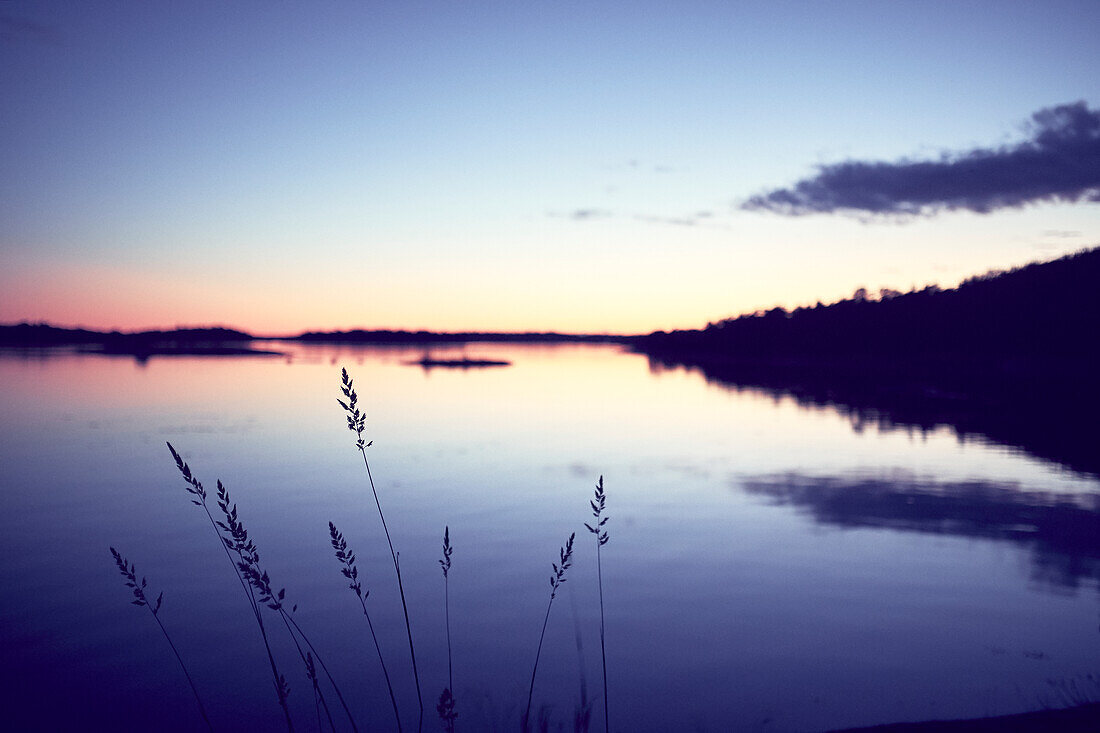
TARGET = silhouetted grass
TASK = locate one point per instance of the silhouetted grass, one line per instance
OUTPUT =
(599, 503)
(350, 571)
(446, 705)
(357, 424)
(128, 571)
(195, 488)
(244, 557)
(236, 538)
(556, 579)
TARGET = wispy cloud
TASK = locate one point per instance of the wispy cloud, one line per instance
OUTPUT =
(690, 220)
(636, 165)
(594, 214)
(1060, 161)
(585, 214)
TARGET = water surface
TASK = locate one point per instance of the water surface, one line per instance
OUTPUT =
(772, 566)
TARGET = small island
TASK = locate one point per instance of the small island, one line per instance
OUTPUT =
(427, 362)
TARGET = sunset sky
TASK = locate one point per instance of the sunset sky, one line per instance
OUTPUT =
(575, 166)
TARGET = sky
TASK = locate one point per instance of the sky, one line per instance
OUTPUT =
(600, 167)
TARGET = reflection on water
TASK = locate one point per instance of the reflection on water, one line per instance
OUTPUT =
(1049, 410)
(723, 611)
(1061, 532)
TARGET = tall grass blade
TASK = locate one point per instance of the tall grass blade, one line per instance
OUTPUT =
(446, 705)
(556, 579)
(357, 424)
(236, 538)
(350, 571)
(138, 587)
(197, 490)
(598, 504)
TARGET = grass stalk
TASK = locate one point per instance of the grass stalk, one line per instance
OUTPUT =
(598, 504)
(556, 579)
(319, 700)
(130, 573)
(311, 673)
(320, 660)
(351, 572)
(196, 489)
(236, 538)
(357, 424)
(446, 705)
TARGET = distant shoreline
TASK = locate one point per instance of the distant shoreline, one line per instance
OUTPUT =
(219, 340)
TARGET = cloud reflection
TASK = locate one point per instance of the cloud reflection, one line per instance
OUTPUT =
(1059, 530)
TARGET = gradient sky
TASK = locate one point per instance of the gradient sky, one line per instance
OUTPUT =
(574, 166)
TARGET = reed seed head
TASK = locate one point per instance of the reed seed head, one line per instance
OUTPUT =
(194, 486)
(346, 558)
(445, 563)
(234, 534)
(356, 419)
(566, 561)
(446, 708)
(311, 669)
(282, 689)
(598, 504)
(260, 581)
(138, 587)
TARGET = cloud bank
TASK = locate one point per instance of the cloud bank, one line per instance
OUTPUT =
(1059, 162)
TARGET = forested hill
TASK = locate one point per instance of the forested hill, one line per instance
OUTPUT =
(1042, 310)
(41, 335)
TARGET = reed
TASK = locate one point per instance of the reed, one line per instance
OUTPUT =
(236, 538)
(357, 424)
(446, 705)
(197, 490)
(556, 579)
(598, 504)
(350, 571)
(311, 674)
(138, 587)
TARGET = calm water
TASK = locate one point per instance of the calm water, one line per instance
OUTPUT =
(771, 566)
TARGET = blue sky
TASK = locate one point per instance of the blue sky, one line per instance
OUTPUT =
(458, 165)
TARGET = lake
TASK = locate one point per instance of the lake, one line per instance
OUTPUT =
(772, 566)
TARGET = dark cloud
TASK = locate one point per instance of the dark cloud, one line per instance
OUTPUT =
(1059, 162)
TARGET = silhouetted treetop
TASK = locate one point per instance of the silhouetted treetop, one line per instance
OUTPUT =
(1049, 309)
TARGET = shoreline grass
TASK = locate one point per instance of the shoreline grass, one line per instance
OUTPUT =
(195, 488)
(598, 504)
(357, 424)
(130, 573)
(256, 583)
(350, 571)
(446, 705)
(556, 579)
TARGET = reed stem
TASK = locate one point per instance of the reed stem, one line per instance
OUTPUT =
(401, 591)
(598, 504)
(356, 423)
(556, 579)
(350, 570)
(446, 705)
(129, 572)
(538, 653)
(196, 488)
